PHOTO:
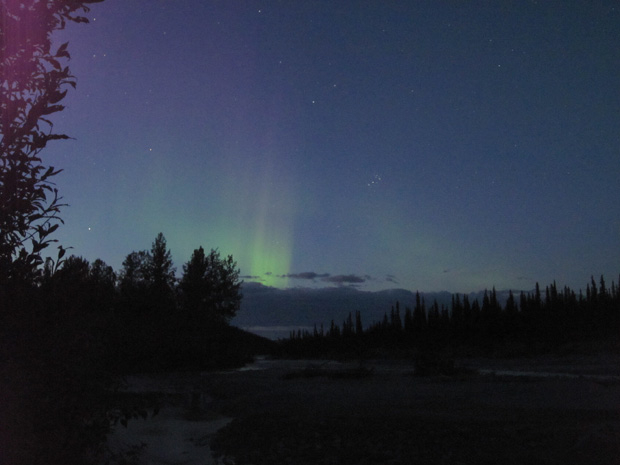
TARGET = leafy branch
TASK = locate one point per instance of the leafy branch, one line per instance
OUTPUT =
(34, 79)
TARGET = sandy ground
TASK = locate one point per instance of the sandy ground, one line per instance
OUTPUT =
(392, 417)
(168, 438)
(179, 434)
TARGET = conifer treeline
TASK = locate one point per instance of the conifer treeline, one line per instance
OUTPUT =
(526, 322)
(143, 318)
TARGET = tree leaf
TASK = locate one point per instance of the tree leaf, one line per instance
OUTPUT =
(52, 109)
(62, 51)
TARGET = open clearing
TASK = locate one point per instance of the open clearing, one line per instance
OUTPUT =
(395, 417)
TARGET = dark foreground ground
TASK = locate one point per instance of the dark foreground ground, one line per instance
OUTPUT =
(393, 417)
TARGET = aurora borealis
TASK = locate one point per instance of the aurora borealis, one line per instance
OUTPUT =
(422, 145)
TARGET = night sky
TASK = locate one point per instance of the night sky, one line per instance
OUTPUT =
(422, 145)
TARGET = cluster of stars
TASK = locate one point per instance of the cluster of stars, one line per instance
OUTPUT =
(376, 179)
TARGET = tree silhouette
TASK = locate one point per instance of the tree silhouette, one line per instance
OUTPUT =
(359, 327)
(54, 375)
(33, 82)
(159, 272)
(133, 274)
(210, 285)
(102, 275)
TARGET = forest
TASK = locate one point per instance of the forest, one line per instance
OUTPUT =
(149, 318)
(526, 324)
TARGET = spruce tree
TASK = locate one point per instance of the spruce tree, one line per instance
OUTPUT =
(159, 270)
(408, 324)
(359, 329)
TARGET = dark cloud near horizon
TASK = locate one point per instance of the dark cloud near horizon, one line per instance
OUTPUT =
(351, 279)
(345, 279)
(305, 275)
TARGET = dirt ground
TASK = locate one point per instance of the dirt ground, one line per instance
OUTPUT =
(394, 417)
